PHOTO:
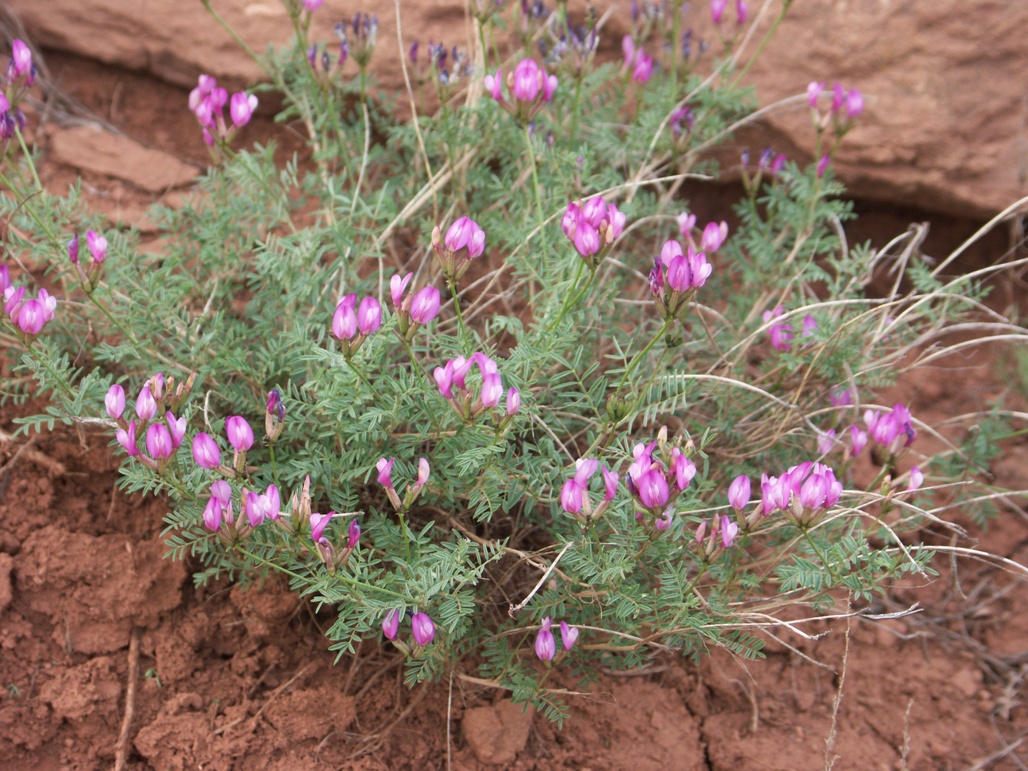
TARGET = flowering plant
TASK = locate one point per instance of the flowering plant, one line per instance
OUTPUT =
(653, 432)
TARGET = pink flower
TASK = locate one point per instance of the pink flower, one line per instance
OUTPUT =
(369, 316)
(571, 496)
(21, 59)
(714, 234)
(814, 90)
(212, 514)
(385, 471)
(513, 401)
(568, 635)
(391, 624)
(344, 320)
(653, 488)
(858, 440)
(545, 645)
(114, 401)
(423, 628)
(239, 433)
(32, 317)
(312, 5)
(158, 442)
(643, 69)
(97, 246)
(353, 534)
(146, 405)
(822, 165)
(127, 438)
(397, 288)
(425, 305)
(729, 530)
(916, 478)
(854, 104)
(610, 484)
(739, 492)
(683, 469)
(527, 80)
(206, 452)
(319, 522)
(494, 85)
(176, 427)
(826, 441)
(241, 108)
(717, 10)
(423, 471)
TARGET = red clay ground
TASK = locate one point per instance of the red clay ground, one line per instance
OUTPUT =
(229, 679)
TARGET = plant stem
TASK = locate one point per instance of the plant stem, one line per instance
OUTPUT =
(462, 331)
(639, 356)
(538, 193)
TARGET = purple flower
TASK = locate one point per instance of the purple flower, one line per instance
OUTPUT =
(146, 405)
(353, 534)
(780, 333)
(385, 471)
(714, 234)
(423, 628)
(425, 305)
(397, 288)
(212, 514)
(840, 396)
(312, 5)
(826, 441)
(822, 165)
(241, 108)
(97, 245)
(318, 524)
(592, 226)
(206, 452)
(127, 438)
(32, 317)
(21, 60)
(858, 440)
(571, 496)
(729, 530)
(683, 469)
(73, 244)
(369, 316)
(177, 428)
(545, 645)
(643, 69)
(513, 401)
(568, 635)
(114, 401)
(391, 624)
(854, 104)
(814, 90)
(158, 442)
(653, 488)
(739, 492)
(494, 85)
(717, 10)
(916, 478)
(527, 80)
(344, 320)
(239, 433)
(610, 484)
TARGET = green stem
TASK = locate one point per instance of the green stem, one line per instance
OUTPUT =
(574, 110)
(639, 356)
(820, 555)
(425, 379)
(364, 380)
(538, 193)
(463, 332)
(307, 580)
(763, 43)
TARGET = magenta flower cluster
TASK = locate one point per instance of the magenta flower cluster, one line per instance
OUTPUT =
(717, 11)
(464, 242)
(412, 311)
(208, 100)
(89, 272)
(324, 546)
(530, 88)
(353, 324)
(781, 333)
(546, 645)
(155, 420)
(21, 74)
(422, 627)
(676, 276)
(803, 493)
(655, 484)
(385, 478)
(592, 227)
(28, 314)
(574, 496)
(452, 380)
(636, 60)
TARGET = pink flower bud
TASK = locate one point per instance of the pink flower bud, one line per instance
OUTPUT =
(177, 429)
(513, 401)
(814, 90)
(643, 69)
(146, 406)
(318, 524)
(686, 222)
(610, 484)
(369, 316)
(391, 624)
(344, 320)
(423, 628)
(854, 103)
(568, 635)
(32, 317)
(423, 471)
(527, 81)
(241, 108)
(115, 401)
(729, 530)
(494, 85)
(571, 496)
(21, 59)
(385, 470)
(239, 433)
(158, 442)
(717, 10)
(312, 5)
(916, 478)
(714, 234)
(206, 452)
(653, 489)
(353, 534)
(826, 441)
(739, 492)
(212, 514)
(425, 305)
(822, 165)
(127, 438)
(97, 246)
(545, 645)
(397, 288)
(73, 244)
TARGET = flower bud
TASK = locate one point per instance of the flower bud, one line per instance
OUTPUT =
(115, 402)
(423, 628)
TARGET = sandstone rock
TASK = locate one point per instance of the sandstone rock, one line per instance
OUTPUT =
(944, 126)
(90, 148)
(498, 733)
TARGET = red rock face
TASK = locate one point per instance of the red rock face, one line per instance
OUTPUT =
(944, 127)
